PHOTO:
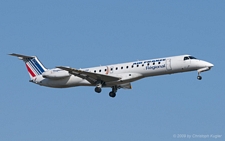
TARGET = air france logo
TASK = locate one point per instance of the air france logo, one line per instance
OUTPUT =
(155, 67)
(148, 67)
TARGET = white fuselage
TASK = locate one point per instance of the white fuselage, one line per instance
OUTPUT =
(127, 72)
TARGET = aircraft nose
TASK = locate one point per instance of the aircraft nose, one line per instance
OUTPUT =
(207, 64)
(203, 64)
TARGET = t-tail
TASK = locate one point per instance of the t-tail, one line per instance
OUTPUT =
(33, 65)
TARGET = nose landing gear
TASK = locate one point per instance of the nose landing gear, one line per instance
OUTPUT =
(202, 70)
(199, 71)
(199, 77)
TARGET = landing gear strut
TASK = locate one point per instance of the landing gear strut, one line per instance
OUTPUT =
(202, 70)
(199, 77)
(113, 92)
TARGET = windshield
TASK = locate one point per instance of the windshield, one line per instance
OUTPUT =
(186, 58)
(191, 57)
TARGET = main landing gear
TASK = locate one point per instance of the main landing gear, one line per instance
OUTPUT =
(98, 87)
(113, 92)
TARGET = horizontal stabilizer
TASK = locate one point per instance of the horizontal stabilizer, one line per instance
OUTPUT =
(21, 56)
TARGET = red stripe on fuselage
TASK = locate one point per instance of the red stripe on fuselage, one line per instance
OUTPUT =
(30, 71)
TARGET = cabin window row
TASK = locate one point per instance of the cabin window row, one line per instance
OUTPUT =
(128, 67)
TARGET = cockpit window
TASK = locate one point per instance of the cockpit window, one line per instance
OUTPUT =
(186, 58)
(191, 57)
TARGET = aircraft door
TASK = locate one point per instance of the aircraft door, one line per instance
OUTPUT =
(111, 69)
(168, 64)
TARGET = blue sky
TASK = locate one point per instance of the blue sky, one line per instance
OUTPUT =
(92, 33)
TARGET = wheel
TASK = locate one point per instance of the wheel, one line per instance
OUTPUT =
(199, 78)
(98, 89)
(112, 94)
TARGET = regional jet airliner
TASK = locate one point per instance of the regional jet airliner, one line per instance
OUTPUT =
(114, 76)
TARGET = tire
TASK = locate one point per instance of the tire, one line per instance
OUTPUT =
(112, 94)
(199, 78)
(98, 89)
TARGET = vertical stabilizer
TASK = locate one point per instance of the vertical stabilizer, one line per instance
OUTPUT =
(33, 65)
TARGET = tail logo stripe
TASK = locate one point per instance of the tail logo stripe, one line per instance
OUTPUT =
(38, 65)
(30, 71)
(32, 63)
(33, 66)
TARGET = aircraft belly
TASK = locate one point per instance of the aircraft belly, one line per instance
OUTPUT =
(110, 84)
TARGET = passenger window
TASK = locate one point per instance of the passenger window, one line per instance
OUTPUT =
(137, 65)
(132, 66)
(127, 67)
(95, 71)
(111, 69)
(116, 68)
(121, 68)
(158, 62)
(142, 65)
(100, 70)
(153, 63)
(105, 69)
(148, 64)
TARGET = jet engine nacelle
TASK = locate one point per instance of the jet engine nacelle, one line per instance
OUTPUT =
(55, 74)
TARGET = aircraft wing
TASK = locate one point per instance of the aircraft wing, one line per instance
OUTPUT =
(90, 76)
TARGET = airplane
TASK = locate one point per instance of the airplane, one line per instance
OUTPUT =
(114, 76)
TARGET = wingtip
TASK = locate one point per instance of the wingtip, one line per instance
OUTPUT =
(63, 67)
(11, 54)
(59, 67)
(16, 55)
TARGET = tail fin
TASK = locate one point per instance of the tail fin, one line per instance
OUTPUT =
(33, 65)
